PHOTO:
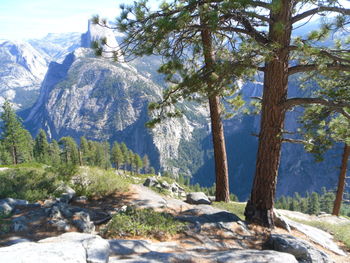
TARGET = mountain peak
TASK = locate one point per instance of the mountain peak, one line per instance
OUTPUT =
(97, 32)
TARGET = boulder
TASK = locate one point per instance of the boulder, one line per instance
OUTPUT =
(15, 202)
(150, 182)
(303, 251)
(67, 248)
(83, 223)
(165, 185)
(198, 198)
(19, 224)
(67, 193)
(228, 256)
(281, 222)
(5, 208)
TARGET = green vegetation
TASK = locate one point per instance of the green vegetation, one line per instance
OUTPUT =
(96, 182)
(236, 208)
(31, 184)
(142, 222)
(5, 225)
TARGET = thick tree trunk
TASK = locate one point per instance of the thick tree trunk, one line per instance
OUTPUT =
(259, 208)
(221, 168)
(341, 181)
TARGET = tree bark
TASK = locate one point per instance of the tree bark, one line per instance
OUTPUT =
(341, 181)
(259, 208)
(221, 168)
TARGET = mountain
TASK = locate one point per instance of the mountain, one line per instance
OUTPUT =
(23, 65)
(22, 69)
(105, 100)
(55, 47)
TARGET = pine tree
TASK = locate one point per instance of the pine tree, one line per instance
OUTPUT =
(84, 151)
(54, 153)
(314, 204)
(138, 163)
(41, 148)
(146, 164)
(117, 156)
(15, 138)
(69, 152)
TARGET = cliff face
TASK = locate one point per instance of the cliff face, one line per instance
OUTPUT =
(22, 68)
(105, 100)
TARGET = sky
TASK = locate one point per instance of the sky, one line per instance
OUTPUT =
(23, 19)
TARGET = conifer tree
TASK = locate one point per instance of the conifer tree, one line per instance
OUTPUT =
(314, 204)
(54, 153)
(41, 148)
(146, 164)
(15, 138)
(69, 152)
(117, 156)
(84, 150)
(138, 163)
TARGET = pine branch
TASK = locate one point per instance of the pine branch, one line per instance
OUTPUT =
(336, 106)
(320, 9)
(313, 67)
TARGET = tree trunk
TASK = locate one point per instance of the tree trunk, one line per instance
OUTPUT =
(341, 181)
(221, 169)
(259, 208)
(13, 153)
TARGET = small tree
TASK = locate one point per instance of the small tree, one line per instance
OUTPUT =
(146, 164)
(314, 204)
(41, 148)
(54, 153)
(117, 156)
(69, 152)
(15, 138)
(138, 163)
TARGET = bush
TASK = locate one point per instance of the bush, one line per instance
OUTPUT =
(31, 184)
(142, 222)
(93, 181)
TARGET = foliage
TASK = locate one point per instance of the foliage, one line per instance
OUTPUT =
(31, 184)
(15, 139)
(142, 222)
(96, 182)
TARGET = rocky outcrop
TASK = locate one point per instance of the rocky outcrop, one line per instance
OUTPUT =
(303, 251)
(198, 198)
(68, 248)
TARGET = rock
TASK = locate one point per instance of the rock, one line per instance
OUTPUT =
(83, 223)
(49, 203)
(55, 213)
(67, 248)
(15, 240)
(61, 225)
(80, 199)
(5, 208)
(198, 198)
(318, 236)
(128, 247)
(65, 209)
(16, 202)
(229, 256)
(19, 224)
(165, 185)
(67, 193)
(212, 198)
(207, 214)
(150, 182)
(302, 250)
(281, 222)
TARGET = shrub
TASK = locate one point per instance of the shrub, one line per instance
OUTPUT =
(93, 181)
(31, 184)
(142, 222)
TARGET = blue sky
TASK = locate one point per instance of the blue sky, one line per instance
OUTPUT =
(22, 19)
